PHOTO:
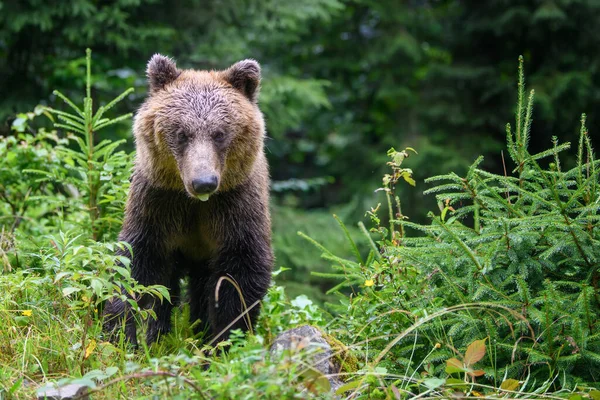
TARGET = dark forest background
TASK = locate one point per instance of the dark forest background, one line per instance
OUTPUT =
(343, 81)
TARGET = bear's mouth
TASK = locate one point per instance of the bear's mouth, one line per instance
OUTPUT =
(203, 186)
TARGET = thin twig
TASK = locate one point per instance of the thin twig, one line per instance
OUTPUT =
(246, 311)
(237, 287)
(506, 176)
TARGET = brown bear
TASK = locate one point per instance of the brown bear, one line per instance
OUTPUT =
(199, 198)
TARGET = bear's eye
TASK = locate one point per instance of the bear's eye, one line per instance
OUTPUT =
(219, 136)
(181, 135)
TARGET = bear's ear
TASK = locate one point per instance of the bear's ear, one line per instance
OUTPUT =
(245, 77)
(161, 71)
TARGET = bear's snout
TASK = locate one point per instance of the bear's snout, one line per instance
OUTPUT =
(205, 185)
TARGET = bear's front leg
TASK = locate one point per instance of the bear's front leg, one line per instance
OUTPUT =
(162, 324)
(150, 265)
(248, 264)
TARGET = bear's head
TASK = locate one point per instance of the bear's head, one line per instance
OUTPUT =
(199, 131)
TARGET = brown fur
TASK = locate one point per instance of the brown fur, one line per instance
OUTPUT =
(196, 124)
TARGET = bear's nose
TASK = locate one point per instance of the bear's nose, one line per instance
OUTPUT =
(205, 185)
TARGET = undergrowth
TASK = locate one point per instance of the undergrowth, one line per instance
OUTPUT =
(508, 265)
(496, 297)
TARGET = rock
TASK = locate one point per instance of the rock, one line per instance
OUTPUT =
(316, 351)
(67, 392)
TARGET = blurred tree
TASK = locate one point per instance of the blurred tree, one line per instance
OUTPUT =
(377, 56)
(40, 39)
(437, 76)
(42, 44)
(558, 40)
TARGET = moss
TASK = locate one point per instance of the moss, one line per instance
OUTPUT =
(342, 356)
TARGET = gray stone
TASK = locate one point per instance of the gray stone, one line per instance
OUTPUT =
(67, 392)
(308, 342)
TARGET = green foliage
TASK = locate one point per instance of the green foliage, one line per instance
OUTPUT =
(19, 194)
(59, 182)
(54, 278)
(510, 257)
(356, 77)
(299, 257)
(531, 246)
(79, 276)
(96, 171)
(62, 200)
(52, 336)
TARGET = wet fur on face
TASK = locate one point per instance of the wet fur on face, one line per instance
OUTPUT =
(191, 121)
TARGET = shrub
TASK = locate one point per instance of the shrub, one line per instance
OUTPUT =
(510, 262)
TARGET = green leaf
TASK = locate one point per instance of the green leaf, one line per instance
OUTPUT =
(22, 320)
(61, 275)
(510, 384)
(453, 365)
(124, 272)
(164, 292)
(434, 383)
(16, 386)
(97, 286)
(409, 179)
(69, 290)
(110, 371)
(348, 386)
(301, 302)
(315, 381)
(595, 394)
(456, 383)
(280, 270)
(19, 124)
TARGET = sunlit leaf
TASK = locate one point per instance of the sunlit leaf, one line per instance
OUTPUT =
(433, 383)
(456, 383)
(454, 365)
(348, 386)
(478, 372)
(90, 348)
(595, 394)
(510, 384)
(409, 180)
(475, 352)
(69, 290)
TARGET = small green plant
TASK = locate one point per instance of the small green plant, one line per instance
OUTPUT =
(532, 246)
(96, 172)
(389, 186)
(20, 196)
(87, 274)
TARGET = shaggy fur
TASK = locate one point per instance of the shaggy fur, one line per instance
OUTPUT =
(198, 124)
